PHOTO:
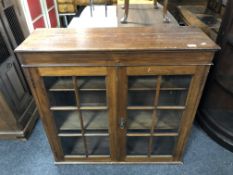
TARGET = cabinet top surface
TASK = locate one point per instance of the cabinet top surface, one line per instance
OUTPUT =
(117, 39)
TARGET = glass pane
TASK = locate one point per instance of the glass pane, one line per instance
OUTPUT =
(139, 120)
(93, 98)
(163, 145)
(176, 81)
(172, 98)
(65, 98)
(137, 145)
(142, 82)
(67, 120)
(59, 83)
(92, 120)
(73, 145)
(91, 83)
(167, 120)
(141, 98)
(95, 145)
(98, 145)
(66, 83)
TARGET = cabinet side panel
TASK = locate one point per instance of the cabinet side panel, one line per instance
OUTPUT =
(193, 99)
(7, 120)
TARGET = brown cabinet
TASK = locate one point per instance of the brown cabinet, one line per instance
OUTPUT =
(17, 107)
(117, 94)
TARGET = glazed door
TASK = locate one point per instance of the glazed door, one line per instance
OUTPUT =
(79, 107)
(153, 106)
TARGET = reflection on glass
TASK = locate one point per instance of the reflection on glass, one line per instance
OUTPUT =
(137, 145)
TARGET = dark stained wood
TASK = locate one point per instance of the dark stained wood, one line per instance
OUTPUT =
(118, 55)
(196, 88)
(122, 112)
(115, 58)
(112, 98)
(46, 116)
(122, 39)
(17, 107)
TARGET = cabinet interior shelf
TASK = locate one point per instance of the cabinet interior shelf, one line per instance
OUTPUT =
(138, 122)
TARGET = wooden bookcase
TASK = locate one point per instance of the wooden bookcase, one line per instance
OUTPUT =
(117, 94)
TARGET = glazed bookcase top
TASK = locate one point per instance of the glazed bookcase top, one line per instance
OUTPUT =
(171, 38)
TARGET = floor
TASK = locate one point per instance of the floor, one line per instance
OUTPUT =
(33, 157)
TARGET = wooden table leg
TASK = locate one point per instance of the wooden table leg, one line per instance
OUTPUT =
(156, 4)
(126, 8)
(166, 19)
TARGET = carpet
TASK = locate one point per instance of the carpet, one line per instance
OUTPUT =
(203, 157)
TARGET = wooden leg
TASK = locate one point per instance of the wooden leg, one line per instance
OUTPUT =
(156, 4)
(126, 7)
(106, 8)
(166, 19)
(90, 4)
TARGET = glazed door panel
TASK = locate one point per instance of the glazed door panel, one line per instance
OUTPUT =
(155, 102)
(78, 102)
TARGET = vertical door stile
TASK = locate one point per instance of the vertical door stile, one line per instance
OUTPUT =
(77, 99)
(46, 115)
(113, 112)
(122, 110)
(154, 115)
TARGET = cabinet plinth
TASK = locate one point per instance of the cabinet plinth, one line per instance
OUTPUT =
(118, 95)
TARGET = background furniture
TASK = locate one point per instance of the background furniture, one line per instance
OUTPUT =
(207, 17)
(117, 94)
(216, 109)
(98, 19)
(40, 13)
(126, 10)
(17, 107)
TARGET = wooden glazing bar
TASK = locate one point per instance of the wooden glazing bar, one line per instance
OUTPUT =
(63, 108)
(77, 98)
(154, 134)
(158, 107)
(162, 89)
(85, 134)
(74, 108)
(171, 107)
(154, 115)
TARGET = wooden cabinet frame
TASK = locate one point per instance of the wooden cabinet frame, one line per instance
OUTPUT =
(119, 63)
(117, 95)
